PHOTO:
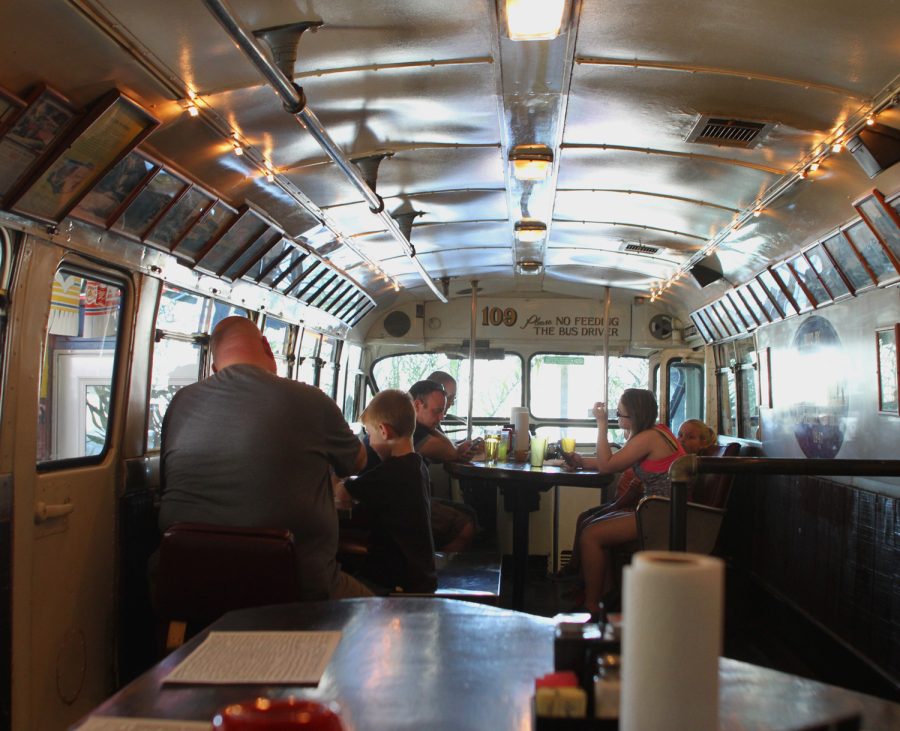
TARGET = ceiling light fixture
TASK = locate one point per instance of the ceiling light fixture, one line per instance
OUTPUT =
(529, 266)
(531, 162)
(528, 232)
(535, 20)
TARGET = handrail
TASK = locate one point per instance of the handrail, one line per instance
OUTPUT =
(295, 104)
(684, 469)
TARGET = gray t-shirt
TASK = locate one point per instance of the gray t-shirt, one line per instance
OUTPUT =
(248, 448)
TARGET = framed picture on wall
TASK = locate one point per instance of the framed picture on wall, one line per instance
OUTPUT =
(118, 187)
(29, 131)
(114, 126)
(888, 365)
(883, 220)
(10, 104)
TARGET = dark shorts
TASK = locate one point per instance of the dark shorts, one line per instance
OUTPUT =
(448, 520)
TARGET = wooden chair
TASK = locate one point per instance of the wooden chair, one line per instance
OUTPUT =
(208, 570)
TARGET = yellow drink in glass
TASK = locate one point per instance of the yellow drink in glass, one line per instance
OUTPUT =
(567, 444)
(538, 450)
(502, 450)
(491, 445)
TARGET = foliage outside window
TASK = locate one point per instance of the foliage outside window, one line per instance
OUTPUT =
(498, 382)
(279, 334)
(306, 361)
(351, 353)
(326, 365)
(727, 402)
(76, 383)
(887, 369)
(176, 363)
(565, 386)
(183, 322)
(686, 392)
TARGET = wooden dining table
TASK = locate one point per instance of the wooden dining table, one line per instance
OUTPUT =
(442, 665)
(521, 486)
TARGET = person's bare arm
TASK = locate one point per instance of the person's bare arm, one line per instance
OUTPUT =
(438, 448)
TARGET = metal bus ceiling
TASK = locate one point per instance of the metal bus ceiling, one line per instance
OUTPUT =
(441, 95)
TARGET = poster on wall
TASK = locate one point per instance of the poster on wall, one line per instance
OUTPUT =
(29, 129)
(113, 127)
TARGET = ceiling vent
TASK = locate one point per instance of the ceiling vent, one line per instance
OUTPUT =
(726, 132)
(641, 249)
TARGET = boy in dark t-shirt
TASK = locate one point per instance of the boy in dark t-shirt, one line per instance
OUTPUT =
(395, 496)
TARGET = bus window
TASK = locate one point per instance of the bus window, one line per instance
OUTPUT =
(183, 323)
(327, 355)
(280, 335)
(685, 392)
(498, 381)
(725, 387)
(5, 277)
(350, 355)
(564, 386)
(748, 399)
(655, 383)
(76, 386)
(309, 351)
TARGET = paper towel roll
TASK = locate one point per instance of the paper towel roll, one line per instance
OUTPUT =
(519, 419)
(672, 639)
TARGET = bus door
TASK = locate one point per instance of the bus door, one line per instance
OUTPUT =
(62, 430)
(679, 381)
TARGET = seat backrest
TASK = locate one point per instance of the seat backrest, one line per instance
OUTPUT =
(712, 489)
(207, 570)
(703, 525)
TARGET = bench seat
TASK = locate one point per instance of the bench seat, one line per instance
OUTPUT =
(471, 575)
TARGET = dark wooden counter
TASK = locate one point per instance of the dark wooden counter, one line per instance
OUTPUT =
(440, 664)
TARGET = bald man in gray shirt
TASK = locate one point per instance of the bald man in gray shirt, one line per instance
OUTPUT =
(248, 448)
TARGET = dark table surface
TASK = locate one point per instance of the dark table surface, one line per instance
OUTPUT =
(542, 477)
(442, 664)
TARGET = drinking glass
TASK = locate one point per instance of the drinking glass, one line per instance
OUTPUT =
(567, 445)
(538, 450)
(491, 446)
(502, 450)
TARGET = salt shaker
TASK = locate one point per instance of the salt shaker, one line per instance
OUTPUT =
(607, 687)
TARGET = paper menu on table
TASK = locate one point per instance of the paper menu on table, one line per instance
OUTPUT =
(267, 658)
(117, 723)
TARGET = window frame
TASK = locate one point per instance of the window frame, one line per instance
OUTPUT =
(201, 339)
(896, 330)
(122, 282)
(587, 421)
